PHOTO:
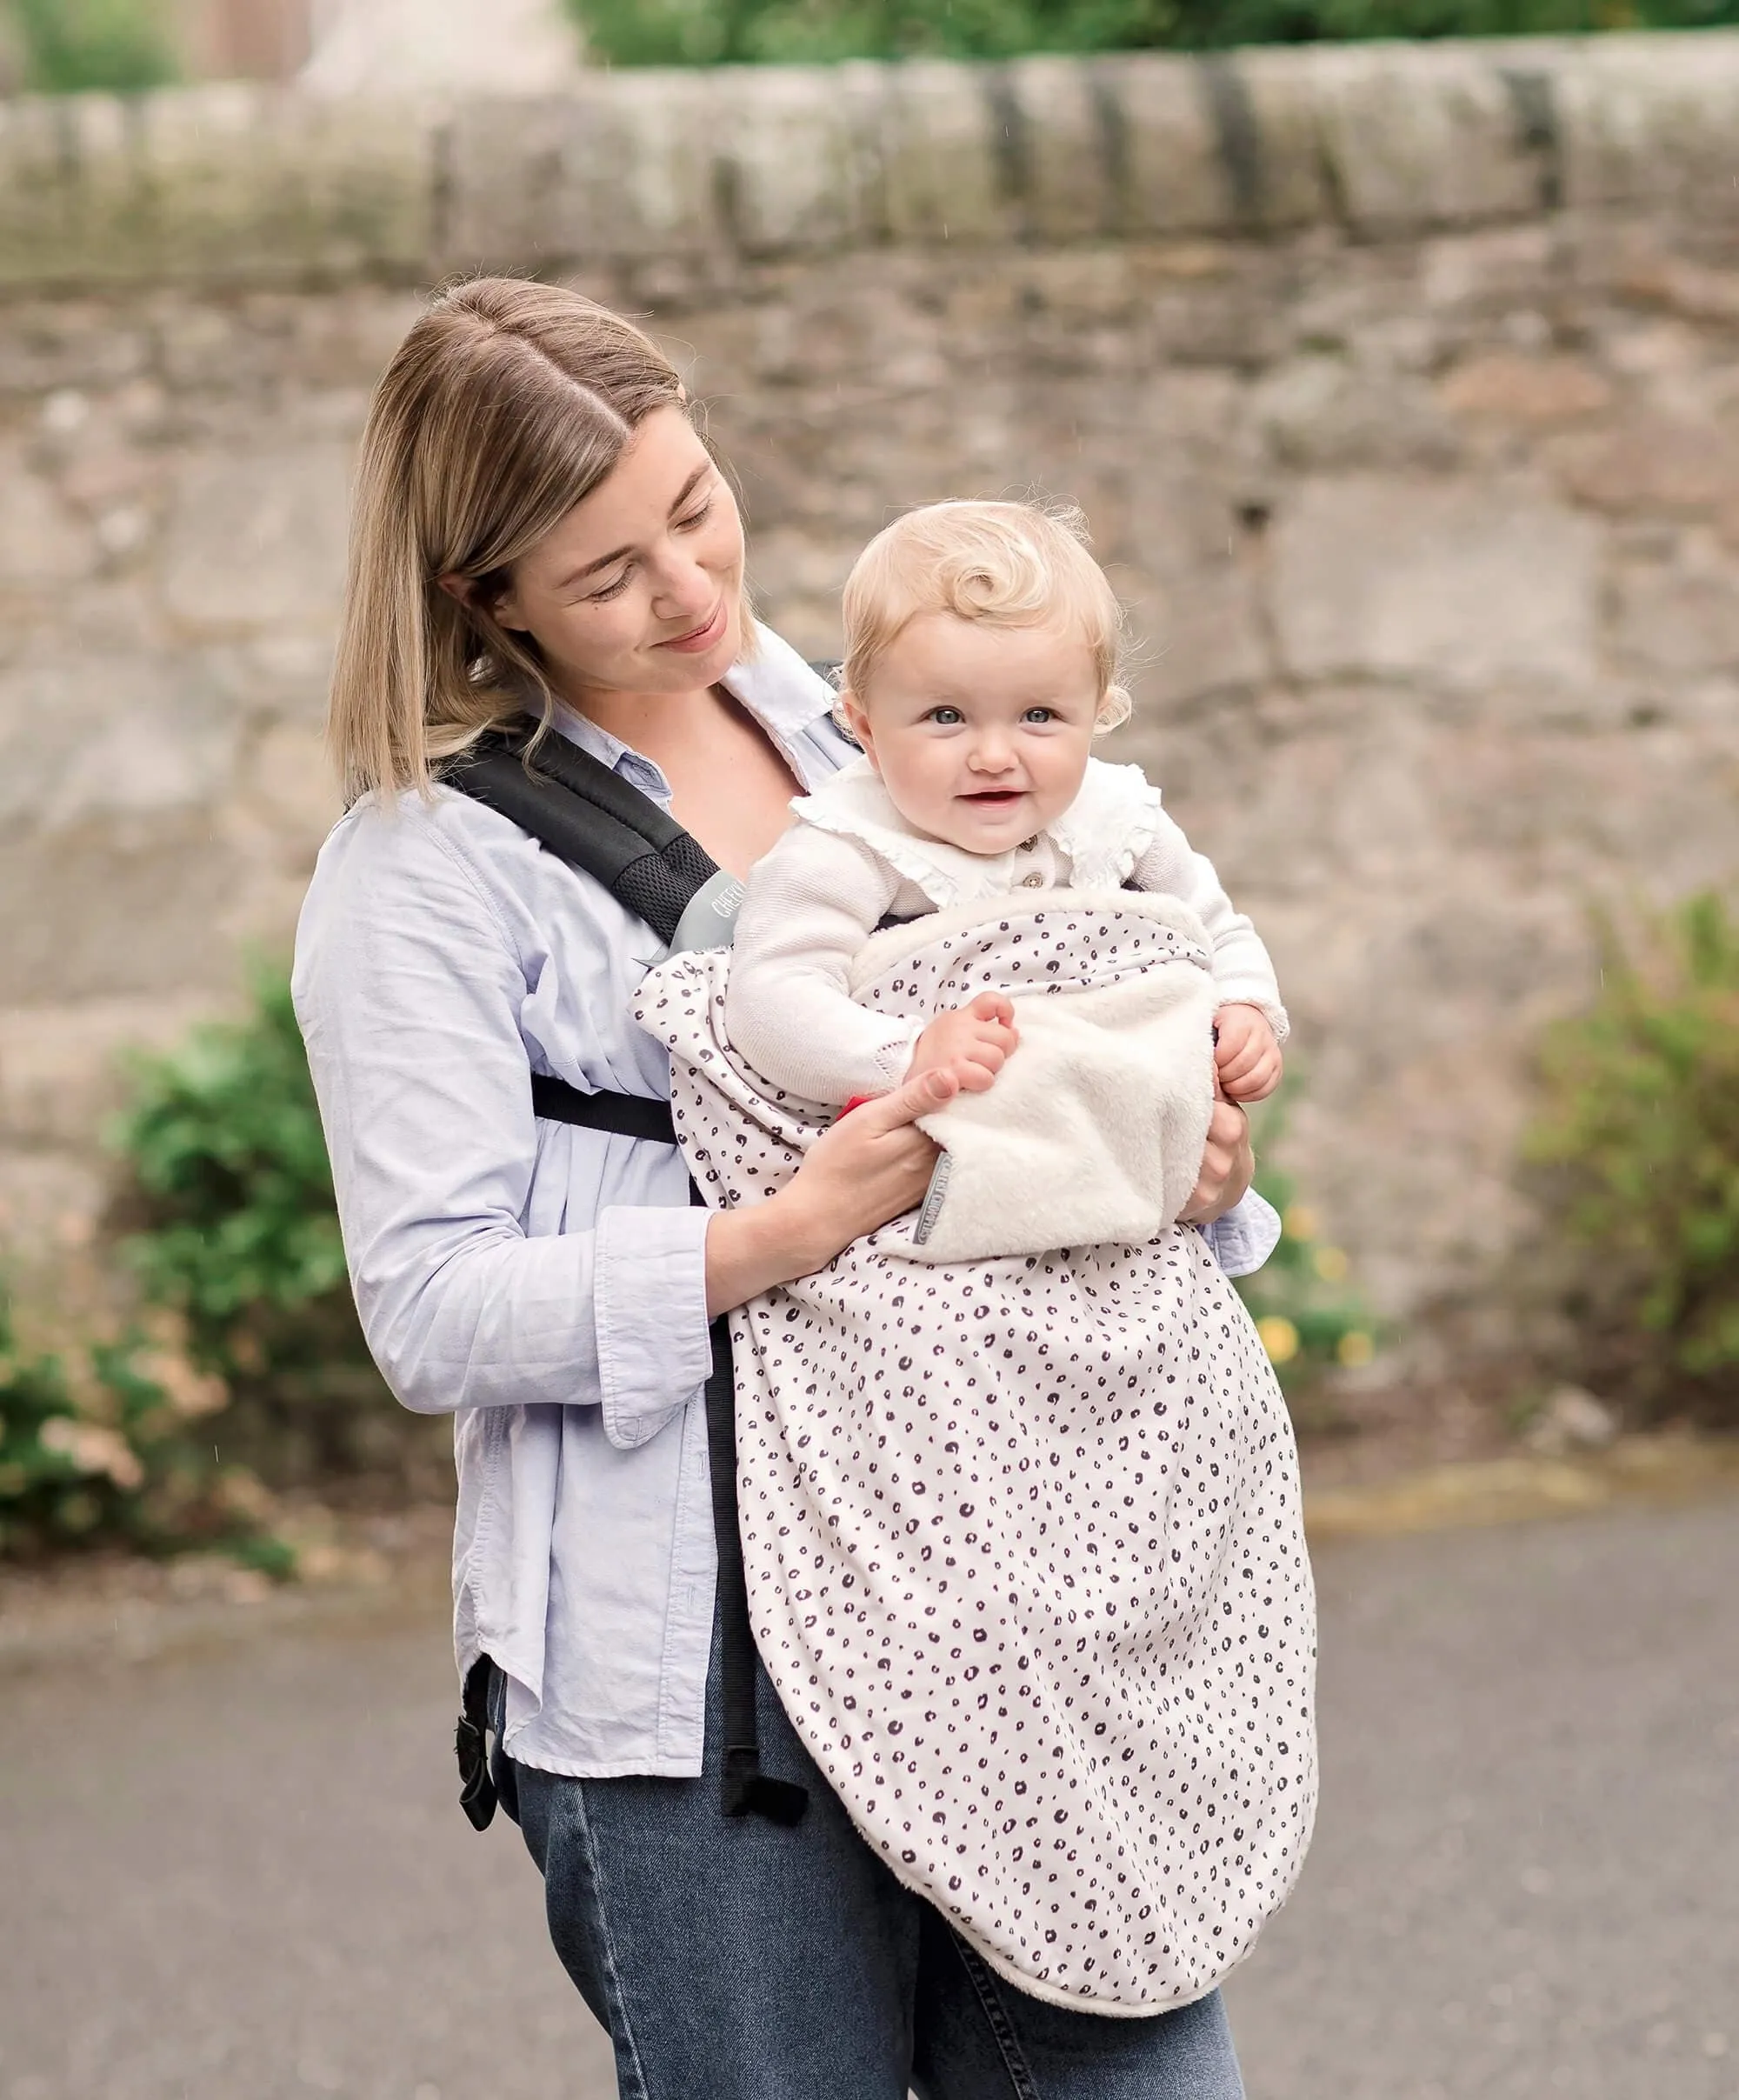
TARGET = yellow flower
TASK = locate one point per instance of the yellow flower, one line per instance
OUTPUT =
(1331, 1264)
(1279, 1337)
(1301, 1222)
(1356, 1348)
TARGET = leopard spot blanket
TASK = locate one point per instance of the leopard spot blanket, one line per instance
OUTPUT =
(1022, 1536)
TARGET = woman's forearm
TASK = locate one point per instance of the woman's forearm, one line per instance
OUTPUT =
(871, 1166)
(756, 1245)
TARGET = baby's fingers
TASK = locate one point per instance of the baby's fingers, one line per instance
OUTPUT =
(993, 1006)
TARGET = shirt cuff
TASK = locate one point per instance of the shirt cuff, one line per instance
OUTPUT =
(654, 1350)
(1243, 1240)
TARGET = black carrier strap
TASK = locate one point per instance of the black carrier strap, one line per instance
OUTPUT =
(578, 809)
(575, 807)
(622, 1114)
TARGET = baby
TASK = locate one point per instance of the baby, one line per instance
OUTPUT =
(980, 660)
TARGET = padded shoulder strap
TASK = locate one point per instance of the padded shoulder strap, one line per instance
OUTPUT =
(592, 818)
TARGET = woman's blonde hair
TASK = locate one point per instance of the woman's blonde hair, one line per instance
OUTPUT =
(1013, 564)
(506, 404)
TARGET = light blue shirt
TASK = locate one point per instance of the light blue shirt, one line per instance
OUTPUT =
(543, 1285)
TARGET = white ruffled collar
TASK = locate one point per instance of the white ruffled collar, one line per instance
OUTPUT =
(1103, 832)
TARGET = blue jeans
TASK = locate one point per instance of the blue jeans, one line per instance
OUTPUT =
(731, 1959)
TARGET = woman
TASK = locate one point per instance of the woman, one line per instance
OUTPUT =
(540, 528)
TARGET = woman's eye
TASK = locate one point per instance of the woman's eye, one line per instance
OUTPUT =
(610, 590)
(946, 718)
(695, 518)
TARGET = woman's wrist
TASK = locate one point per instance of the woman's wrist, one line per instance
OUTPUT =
(755, 1246)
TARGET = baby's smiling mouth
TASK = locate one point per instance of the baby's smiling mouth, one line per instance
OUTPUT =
(995, 799)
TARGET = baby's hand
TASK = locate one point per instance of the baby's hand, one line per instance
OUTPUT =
(1246, 1057)
(972, 1045)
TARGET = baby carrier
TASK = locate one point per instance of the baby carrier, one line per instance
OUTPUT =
(575, 807)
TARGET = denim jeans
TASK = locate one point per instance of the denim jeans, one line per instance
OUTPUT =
(731, 1959)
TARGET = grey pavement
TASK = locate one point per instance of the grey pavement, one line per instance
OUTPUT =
(238, 1873)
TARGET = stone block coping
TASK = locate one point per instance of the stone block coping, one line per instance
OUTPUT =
(244, 185)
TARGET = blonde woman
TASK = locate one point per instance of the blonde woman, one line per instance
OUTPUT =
(542, 532)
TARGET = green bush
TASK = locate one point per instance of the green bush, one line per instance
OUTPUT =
(234, 1231)
(111, 1445)
(70, 45)
(1637, 1144)
(703, 32)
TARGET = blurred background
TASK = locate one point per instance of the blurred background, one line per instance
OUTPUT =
(1392, 347)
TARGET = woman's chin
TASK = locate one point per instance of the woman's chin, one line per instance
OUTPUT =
(724, 652)
(680, 671)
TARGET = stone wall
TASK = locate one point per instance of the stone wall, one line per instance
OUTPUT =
(1399, 384)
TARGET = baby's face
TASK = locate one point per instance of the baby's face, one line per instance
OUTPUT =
(981, 734)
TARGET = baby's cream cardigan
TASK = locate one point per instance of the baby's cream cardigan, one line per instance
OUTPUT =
(851, 860)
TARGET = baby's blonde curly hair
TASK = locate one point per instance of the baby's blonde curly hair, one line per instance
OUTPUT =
(1013, 564)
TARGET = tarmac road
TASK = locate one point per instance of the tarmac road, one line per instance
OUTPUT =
(238, 1874)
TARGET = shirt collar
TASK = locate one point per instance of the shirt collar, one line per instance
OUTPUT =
(776, 686)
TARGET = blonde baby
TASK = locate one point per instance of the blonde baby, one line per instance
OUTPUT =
(980, 662)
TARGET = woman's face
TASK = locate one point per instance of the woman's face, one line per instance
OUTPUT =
(639, 589)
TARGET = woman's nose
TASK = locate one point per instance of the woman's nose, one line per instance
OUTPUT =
(680, 584)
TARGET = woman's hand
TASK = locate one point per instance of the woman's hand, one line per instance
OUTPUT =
(872, 1165)
(1227, 1166)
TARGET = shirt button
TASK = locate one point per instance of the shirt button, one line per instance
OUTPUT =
(1035, 880)
(1029, 845)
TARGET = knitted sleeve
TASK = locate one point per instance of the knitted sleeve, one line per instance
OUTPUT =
(812, 903)
(1243, 975)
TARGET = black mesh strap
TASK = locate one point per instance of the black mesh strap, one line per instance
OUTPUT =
(577, 808)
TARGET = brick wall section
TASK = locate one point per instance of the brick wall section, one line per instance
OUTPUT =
(1400, 385)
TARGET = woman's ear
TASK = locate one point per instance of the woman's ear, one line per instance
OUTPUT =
(464, 590)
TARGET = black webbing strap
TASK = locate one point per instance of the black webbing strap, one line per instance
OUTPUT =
(744, 1788)
(470, 1746)
(622, 1115)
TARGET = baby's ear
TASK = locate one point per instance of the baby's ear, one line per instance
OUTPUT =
(1115, 710)
(852, 722)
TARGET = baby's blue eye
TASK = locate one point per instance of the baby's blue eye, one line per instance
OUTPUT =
(946, 718)
(1039, 714)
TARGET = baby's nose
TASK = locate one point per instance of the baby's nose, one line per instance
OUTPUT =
(992, 754)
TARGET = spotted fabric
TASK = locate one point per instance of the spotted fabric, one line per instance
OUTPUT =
(1024, 1557)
